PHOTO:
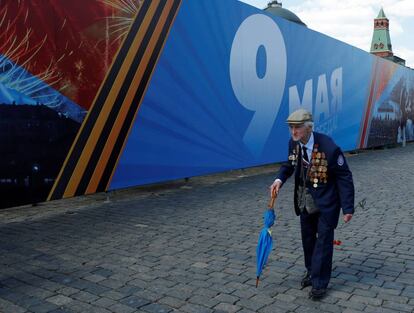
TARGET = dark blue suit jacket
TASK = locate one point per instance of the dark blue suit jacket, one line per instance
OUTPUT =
(338, 191)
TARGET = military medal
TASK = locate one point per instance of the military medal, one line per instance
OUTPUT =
(293, 157)
(319, 167)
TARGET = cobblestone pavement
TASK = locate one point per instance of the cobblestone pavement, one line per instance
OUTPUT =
(190, 247)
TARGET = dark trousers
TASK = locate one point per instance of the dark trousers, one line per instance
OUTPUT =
(317, 241)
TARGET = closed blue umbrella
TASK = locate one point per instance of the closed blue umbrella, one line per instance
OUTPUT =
(265, 243)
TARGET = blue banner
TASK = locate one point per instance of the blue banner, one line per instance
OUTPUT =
(224, 85)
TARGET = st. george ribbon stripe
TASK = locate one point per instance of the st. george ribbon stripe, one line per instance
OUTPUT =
(126, 127)
(79, 144)
(91, 139)
(104, 113)
(161, 30)
(104, 139)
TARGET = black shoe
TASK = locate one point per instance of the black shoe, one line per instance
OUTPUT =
(306, 281)
(316, 294)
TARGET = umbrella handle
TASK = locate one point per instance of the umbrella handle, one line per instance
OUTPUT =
(272, 202)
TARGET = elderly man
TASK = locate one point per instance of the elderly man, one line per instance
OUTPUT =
(323, 185)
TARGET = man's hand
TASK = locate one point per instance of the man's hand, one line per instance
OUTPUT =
(274, 188)
(347, 217)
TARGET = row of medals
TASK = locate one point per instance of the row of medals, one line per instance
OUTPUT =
(319, 168)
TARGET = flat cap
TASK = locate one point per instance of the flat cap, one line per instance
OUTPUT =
(299, 117)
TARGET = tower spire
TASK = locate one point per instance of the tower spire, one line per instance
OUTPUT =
(381, 14)
(381, 41)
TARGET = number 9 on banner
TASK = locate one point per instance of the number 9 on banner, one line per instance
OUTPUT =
(261, 91)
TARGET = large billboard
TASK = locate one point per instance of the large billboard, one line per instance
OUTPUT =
(112, 94)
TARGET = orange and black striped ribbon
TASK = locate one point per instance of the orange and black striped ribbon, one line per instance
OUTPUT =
(93, 157)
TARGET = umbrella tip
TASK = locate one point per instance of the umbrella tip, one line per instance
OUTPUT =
(257, 281)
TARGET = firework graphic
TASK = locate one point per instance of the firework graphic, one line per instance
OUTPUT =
(58, 53)
(123, 15)
(20, 49)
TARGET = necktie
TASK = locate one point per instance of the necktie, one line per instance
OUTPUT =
(305, 164)
(305, 154)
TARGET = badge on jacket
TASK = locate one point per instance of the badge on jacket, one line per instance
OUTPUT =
(340, 160)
